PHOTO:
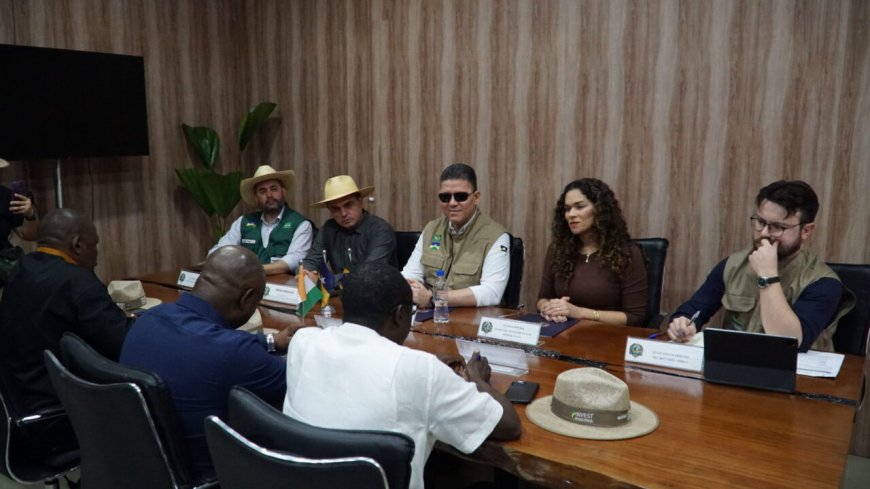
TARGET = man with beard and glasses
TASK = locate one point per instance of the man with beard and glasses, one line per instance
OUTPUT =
(777, 286)
(277, 234)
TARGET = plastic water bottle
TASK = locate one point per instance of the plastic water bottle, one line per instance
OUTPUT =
(439, 295)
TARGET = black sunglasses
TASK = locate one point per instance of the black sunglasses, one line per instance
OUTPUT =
(458, 196)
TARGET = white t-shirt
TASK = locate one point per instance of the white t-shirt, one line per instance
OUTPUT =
(350, 377)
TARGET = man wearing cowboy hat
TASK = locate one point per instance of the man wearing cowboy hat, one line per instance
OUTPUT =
(277, 234)
(369, 238)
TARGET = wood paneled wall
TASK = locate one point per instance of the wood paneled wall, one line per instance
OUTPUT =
(686, 108)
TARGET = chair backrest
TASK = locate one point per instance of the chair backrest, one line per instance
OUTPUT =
(31, 467)
(656, 252)
(512, 290)
(264, 425)
(118, 440)
(851, 334)
(405, 242)
(243, 464)
(85, 363)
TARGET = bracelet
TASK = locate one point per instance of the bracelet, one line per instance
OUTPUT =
(595, 315)
(270, 342)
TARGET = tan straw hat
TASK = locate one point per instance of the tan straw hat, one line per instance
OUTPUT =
(265, 172)
(591, 403)
(130, 296)
(340, 187)
(3, 163)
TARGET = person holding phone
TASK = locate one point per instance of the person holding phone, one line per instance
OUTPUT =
(17, 213)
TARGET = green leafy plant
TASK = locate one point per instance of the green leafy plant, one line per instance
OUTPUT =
(218, 194)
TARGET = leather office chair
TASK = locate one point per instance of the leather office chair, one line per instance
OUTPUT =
(656, 252)
(405, 242)
(269, 428)
(851, 334)
(242, 464)
(128, 431)
(511, 297)
(46, 466)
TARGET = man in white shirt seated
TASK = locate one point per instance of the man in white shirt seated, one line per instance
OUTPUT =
(358, 376)
(472, 249)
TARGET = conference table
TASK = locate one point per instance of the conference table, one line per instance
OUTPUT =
(709, 435)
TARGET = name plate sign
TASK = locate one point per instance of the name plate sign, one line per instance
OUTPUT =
(285, 294)
(509, 330)
(504, 360)
(664, 354)
(187, 279)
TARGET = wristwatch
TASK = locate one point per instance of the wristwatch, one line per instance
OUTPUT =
(763, 282)
(270, 342)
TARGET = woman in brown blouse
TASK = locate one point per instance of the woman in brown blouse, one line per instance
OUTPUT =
(592, 269)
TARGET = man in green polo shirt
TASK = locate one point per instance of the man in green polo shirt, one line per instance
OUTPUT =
(277, 234)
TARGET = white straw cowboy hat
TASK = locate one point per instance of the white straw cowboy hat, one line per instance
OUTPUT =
(130, 296)
(265, 172)
(340, 187)
(591, 403)
(3, 163)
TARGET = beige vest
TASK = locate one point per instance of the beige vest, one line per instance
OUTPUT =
(741, 294)
(460, 257)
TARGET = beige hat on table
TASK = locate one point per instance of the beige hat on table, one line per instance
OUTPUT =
(130, 296)
(265, 172)
(340, 187)
(591, 403)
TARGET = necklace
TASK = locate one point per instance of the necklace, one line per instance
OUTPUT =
(588, 255)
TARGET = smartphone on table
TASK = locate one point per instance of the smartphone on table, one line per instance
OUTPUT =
(522, 391)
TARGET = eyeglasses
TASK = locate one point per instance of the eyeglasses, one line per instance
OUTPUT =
(458, 196)
(774, 229)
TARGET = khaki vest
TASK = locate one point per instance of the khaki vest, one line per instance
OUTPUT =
(741, 294)
(461, 257)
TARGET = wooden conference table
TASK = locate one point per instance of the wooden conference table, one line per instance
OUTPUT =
(709, 435)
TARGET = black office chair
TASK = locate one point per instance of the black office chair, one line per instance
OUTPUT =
(31, 465)
(656, 252)
(851, 334)
(242, 464)
(511, 297)
(269, 428)
(405, 242)
(128, 431)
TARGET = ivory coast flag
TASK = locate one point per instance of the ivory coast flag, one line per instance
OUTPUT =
(309, 293)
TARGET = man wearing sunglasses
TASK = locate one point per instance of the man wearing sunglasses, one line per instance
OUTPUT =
(776, 286)
(471, 248)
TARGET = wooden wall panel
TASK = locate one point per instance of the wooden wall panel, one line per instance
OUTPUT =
(685, 108)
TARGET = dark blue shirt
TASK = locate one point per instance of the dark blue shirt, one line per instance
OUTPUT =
(200, 357)
(815, 307)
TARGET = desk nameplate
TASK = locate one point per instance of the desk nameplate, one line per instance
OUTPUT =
(284, 294)
(187, 279)
(509, 330)
(664, 354)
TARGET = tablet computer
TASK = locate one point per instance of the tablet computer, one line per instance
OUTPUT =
(758, 360)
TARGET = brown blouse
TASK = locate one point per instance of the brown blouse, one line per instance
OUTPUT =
(595, 286)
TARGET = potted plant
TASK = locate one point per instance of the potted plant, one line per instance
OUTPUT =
(218, 194)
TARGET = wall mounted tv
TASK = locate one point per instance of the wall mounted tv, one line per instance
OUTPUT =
(58, 104)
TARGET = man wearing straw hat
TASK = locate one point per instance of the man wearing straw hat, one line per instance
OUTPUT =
(369, 238)
(277, 234)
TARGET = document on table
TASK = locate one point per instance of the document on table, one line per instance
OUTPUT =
(819, 363)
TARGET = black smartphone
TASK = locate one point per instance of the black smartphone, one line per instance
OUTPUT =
(19, 187)
(521, 391)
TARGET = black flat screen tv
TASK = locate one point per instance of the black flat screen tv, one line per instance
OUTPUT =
(58, 104)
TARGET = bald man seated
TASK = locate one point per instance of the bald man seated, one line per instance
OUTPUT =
(194, 347)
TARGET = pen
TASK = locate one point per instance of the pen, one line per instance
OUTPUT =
(664, 331)
(475, 355)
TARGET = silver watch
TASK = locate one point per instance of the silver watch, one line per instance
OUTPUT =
(270, 342)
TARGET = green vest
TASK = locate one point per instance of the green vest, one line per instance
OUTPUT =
(461, 257)
(741, 294)
(279, 239)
